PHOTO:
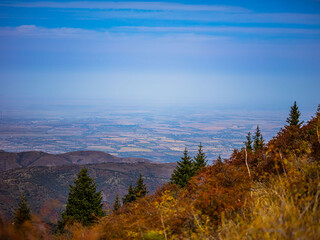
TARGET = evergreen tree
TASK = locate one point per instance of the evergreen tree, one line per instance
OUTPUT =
(117, 204)
(140, 188)
(184, 170)
(200, 160)
(318, 111)
(248, 143)
(130, 196)
(218, 165)
(219, 160)
(258, 141)
(294, 115)
(22, 214)
(84, 202)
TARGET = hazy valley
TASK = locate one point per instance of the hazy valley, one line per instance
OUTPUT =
(157, 135)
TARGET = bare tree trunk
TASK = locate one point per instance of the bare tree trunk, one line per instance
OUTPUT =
(246, 160)
(164, 228)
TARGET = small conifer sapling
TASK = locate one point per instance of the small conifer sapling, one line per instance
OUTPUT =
(258, 141)
(248, 143)
(140, 188)
(219, 160)
(22, 214)
(117, 204)
(130, 196)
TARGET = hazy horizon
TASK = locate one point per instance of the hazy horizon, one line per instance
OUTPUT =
(228, 54)
(155, 133)
(146, 79)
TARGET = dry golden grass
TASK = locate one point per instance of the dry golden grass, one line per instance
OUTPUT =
(286, 208)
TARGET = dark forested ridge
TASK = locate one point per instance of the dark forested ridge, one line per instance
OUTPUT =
(9, 160)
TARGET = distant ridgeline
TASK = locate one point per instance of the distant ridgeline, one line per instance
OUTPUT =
(263, 191)
(10, 160)
(46, 177)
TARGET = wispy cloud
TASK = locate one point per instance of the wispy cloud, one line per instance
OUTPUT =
(42, 32)
(203, 33)
(219, 30)
(171, 11)
(292, 18)
(152, 6)
(217, 17)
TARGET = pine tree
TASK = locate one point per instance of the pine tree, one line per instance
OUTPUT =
(184, 170)
(294, 115)
(22, 214)
(84, 204)
(117, 204)
(140, 188)
(130, 196)
(200, 160)
(258, 141)
(248, 143)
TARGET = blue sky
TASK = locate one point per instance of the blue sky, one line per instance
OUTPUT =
(212, 53)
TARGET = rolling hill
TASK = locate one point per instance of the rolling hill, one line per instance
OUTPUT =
(45, 177)
(42, 184)
(9, 160)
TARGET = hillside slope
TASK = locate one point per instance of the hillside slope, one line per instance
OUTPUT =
(271, 192)
(42, 184)
(10, 160)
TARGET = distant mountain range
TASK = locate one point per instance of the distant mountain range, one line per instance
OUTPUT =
(9, 160)
(45, 177)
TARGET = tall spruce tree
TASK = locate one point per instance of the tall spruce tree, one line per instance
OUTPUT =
(22, 214)
(248, 143)
(294, 115)
(84, 204)
(117, 204)
(258, 141)
(184, 170)
(130, 196)
(200, 160)
(140, 189)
